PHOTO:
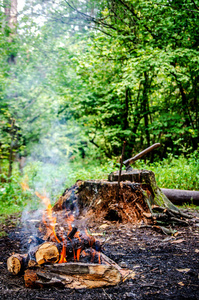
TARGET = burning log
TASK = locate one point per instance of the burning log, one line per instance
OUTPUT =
(50, 252)
(16, 263)
(73, 275)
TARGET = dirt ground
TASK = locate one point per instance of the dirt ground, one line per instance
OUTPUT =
(165, 267)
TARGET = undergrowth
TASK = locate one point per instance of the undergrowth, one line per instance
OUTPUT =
(175, 172)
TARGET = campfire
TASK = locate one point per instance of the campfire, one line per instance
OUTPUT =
(61, 255)
(65, 253)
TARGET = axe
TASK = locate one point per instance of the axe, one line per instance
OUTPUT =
(139, 155)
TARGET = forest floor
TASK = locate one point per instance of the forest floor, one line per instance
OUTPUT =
(165, 267)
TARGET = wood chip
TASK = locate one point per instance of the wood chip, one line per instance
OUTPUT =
(183, 270)
(97, 234)
(177, 241)
(103, 226)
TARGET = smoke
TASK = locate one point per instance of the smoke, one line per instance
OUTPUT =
(44, 84)
(47, 170)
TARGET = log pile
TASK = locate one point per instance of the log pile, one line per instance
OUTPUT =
(78, 275)
(46, 271)
(51, 252)
(73, 263)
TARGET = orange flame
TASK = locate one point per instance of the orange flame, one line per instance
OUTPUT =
(63, 254)
(99, 258)
(78, 253)
(52, 219)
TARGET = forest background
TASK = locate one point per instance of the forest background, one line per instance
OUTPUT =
(77, 78)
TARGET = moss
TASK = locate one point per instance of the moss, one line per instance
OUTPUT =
(159, 197)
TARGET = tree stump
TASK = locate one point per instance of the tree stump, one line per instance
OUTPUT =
(140, 200)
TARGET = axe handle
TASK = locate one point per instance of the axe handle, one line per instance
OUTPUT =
(139, 155)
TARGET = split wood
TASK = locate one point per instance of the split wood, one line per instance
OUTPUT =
(77, 275)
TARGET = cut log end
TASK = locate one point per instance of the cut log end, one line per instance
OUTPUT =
(47, 253)
(16, 262)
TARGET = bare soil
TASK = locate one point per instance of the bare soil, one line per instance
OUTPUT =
(165, 267)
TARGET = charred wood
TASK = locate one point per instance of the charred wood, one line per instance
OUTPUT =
(72, 233)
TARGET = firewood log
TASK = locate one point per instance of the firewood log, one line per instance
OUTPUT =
(47, 253)
(73, 275)
(16, 263)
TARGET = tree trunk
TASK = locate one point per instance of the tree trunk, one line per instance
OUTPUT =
(145, 107)
(10, 7)
(13, 132)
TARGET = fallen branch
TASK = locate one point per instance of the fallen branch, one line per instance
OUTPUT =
(181, 196)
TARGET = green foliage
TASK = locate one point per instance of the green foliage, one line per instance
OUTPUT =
(12, 197)
(175, 172)
(139, 80)
(113, 70)
(190, 206)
